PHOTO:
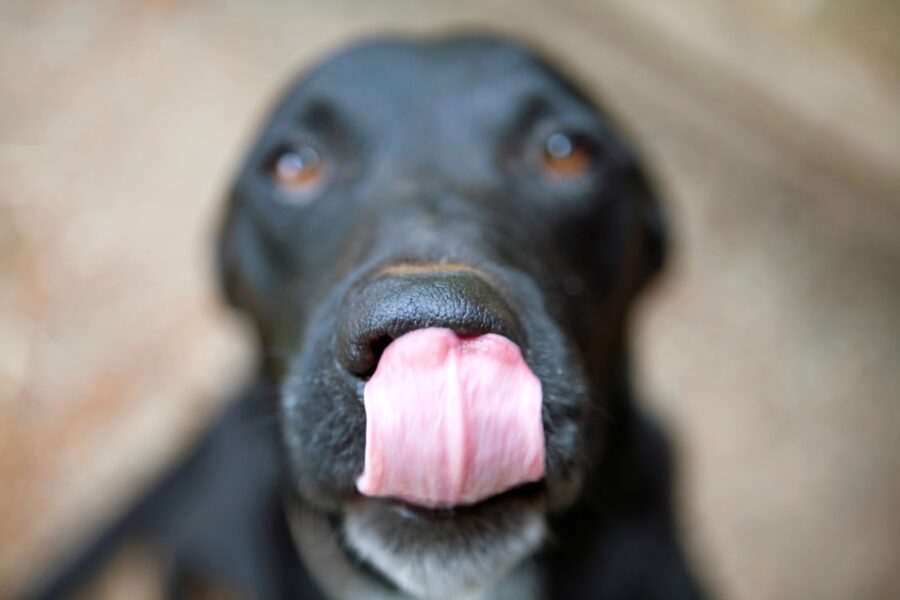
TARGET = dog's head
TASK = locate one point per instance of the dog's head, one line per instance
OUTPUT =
(464, 185)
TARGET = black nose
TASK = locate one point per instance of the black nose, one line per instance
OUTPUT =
(393, 304)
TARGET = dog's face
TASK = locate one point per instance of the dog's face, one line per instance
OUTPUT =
(461, 184)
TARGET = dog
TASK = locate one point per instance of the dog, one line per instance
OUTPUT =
(415, 215)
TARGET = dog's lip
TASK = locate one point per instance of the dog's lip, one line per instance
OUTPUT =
(530, 494)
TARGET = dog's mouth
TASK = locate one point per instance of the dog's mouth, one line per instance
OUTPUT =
(451, 422)
(441, 552)
(451, 494)
(528, 495)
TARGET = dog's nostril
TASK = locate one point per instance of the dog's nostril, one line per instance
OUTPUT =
(373, 354)
(393, 305)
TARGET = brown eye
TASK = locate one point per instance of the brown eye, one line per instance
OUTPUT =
(298, 170)
(567, 156)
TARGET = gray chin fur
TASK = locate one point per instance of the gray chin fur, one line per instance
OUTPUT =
(450, 559)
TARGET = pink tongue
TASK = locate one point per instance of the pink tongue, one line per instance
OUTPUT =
(451, 420)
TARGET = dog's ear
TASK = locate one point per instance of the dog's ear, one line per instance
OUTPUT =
(228, 263)
(655, 236)
(248, 269)
(244, 266)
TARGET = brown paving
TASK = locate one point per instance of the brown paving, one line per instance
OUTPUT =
(771, 349)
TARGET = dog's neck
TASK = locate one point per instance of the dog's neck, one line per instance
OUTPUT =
(341, 577)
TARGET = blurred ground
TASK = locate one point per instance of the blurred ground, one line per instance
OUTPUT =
(772, 349)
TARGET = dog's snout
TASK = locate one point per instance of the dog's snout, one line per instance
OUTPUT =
(400, 300)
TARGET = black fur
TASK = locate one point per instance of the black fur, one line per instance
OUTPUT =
(430, 151)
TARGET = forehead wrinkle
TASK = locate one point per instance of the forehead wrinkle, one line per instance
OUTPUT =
(432, 81)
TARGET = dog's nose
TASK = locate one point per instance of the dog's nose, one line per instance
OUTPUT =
(400, 300)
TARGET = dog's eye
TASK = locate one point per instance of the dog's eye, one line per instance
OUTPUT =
(567, 156)
(298, 169)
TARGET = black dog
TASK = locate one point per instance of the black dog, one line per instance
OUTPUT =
(466, 185)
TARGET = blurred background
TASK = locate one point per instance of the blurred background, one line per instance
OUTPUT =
(771, 349)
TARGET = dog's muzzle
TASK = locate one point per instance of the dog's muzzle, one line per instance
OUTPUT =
(453, 411)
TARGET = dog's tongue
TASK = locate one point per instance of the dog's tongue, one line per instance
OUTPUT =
(451, 420)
